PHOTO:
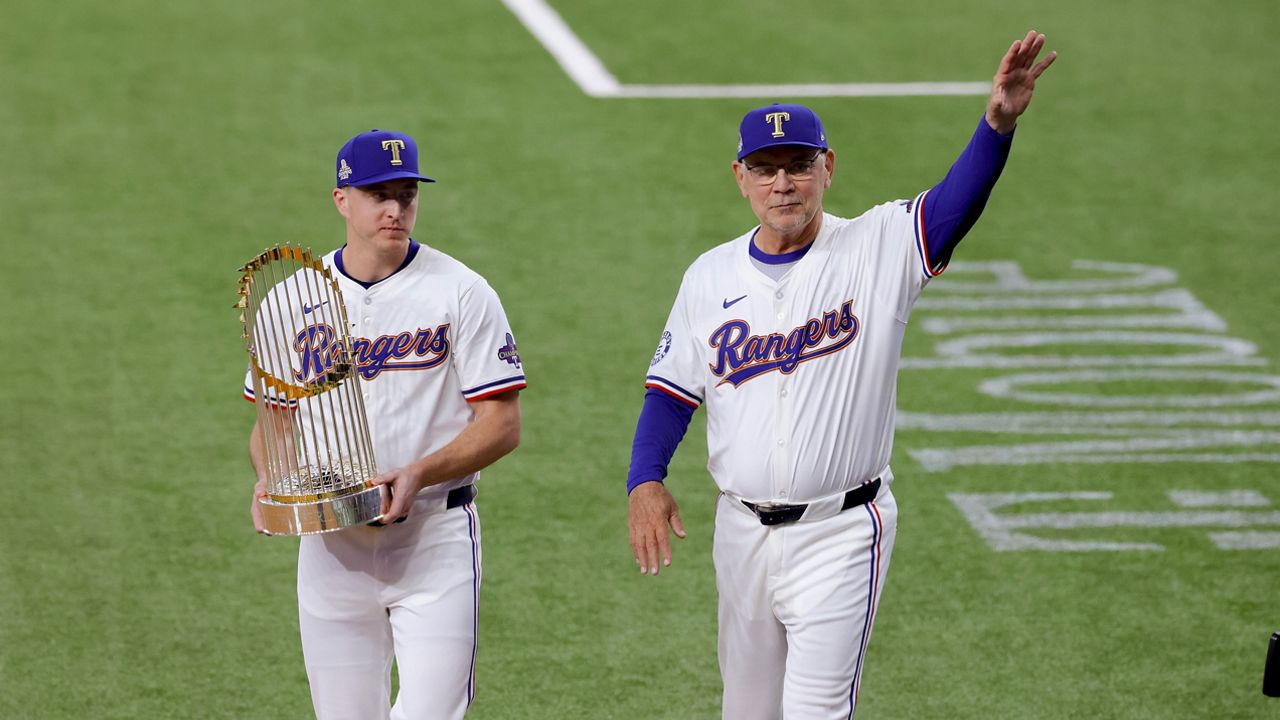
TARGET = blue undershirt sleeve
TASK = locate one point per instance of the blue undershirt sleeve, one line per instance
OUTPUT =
(662, 425)
(953, 205)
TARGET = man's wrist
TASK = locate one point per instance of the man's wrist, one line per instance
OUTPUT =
(420, 471)
(1002, 125)
(633, 486)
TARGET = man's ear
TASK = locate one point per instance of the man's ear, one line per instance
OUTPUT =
(740, 176)
(340, 201)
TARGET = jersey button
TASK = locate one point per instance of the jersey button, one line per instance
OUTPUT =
(781, 442)
(368, 320)
(781, 316)
(778, 295)
(368, 301)
(783, 393)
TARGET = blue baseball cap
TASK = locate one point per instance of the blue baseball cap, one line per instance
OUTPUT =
(780, 125)
(378, 156)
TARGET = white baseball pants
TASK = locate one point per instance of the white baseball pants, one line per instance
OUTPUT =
(408, 591)
(797, 603)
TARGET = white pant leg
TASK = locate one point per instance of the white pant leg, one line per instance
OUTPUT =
(752, 643)
(434, 613)
(346, 636)
(833, 574)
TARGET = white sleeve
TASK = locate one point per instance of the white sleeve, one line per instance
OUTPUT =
(249, 393)
(268, 329)
(914, 209)
(904, 254)
(273, 399)
(677, 367)
(484, 348)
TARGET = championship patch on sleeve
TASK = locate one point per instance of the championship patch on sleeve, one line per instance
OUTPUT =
(664, 345)
(508, 352)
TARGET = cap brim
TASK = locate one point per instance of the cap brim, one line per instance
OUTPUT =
(387, 177)
(781, 143)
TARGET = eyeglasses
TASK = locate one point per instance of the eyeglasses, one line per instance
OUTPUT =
(796, 170)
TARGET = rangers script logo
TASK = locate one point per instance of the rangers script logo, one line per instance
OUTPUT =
(318, 347)
(741, 356)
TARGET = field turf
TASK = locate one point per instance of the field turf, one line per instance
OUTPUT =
(151, 148)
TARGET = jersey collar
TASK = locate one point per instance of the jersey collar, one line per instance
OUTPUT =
(408, 258)
(770, 258)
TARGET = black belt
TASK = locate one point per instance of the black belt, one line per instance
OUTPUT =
(457, 498)
(460, 496)
(780, 514)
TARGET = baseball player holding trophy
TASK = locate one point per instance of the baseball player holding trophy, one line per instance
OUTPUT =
(385, 377)
(791, 335)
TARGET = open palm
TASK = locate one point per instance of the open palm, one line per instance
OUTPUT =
(1015, 81)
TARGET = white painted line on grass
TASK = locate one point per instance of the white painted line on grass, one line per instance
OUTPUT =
(1003, 531)
(1127, 422)
(804, 90)
(575, 58)
(584, 68)
(1246, 540)
(1221, 498)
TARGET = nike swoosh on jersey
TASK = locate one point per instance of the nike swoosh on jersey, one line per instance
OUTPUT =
(308, 309)
(728, 302)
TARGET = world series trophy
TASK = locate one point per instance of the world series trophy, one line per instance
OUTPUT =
(317, 453)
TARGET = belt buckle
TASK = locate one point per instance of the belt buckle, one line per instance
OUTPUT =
(779, 513)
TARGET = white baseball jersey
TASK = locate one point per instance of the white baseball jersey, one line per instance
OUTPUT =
(428, 339)
(799, 375)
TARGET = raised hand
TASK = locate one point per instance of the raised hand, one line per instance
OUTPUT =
(1015, 81)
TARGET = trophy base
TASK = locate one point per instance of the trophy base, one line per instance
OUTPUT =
(321, 516)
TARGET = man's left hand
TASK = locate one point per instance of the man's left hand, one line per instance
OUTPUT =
(399, 489)
(1015, 81)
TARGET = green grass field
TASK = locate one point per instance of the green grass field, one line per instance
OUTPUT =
(151, 148)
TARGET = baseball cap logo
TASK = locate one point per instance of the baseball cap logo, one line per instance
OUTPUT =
(777, 124)
(777, 118)
(378, 156)
(395, 146)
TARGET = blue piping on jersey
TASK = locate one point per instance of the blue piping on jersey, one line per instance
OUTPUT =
(771, 259)
(495, 383)
(408, 258)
